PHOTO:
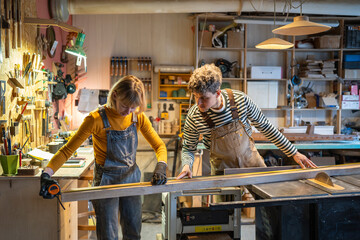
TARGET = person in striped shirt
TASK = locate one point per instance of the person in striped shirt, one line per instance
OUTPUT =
(223, 118)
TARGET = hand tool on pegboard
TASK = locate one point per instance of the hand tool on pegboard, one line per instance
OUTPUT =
(149, 64)
(6, 25)
(19, 30)
(120, 67)
(125, 72)
(2, 95)
(1, 26)
(15, 23)
(112, 66)
(116, 70)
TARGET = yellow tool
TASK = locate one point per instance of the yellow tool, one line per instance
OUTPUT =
(164, 113)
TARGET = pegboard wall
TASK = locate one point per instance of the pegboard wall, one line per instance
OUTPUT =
(26, 92)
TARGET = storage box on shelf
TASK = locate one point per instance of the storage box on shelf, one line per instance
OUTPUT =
(327, 41)
(174, 86)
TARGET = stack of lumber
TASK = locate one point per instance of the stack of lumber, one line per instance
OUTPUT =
(311, 69)
(328, 69)
(318, 69)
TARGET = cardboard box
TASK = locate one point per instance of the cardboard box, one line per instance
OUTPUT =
(352, 73)
(350, 97)
(264, 93)
(265, 72)
(350, 104)
(235, 39)
(205, 39)
(328, 102)
(327, 41)
(311, 99)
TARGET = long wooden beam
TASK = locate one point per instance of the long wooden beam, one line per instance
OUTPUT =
(144, 188)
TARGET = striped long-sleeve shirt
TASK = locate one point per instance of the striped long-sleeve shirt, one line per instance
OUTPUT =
(248, 112)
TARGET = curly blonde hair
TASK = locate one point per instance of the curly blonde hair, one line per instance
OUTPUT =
(130, 92)
(208, 78)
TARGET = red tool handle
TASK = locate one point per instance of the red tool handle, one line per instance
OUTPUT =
(20, 158)
(24, 108)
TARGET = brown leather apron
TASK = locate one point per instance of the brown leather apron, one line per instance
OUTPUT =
(231, 146)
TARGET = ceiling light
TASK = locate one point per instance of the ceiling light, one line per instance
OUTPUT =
(274, 43)
(301, 26)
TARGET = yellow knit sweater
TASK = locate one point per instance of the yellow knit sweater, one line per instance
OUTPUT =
(93, 124)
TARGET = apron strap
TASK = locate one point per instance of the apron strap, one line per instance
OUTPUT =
(104, 117)
(233, 108)
(207, 119)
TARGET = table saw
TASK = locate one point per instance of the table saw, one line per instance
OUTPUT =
(324, 208)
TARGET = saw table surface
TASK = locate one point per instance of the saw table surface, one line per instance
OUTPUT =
(302, 188)
(286, 189)
(311, 211)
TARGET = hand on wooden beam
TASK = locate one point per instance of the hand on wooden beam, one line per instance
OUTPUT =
(159, 176)
(303, 161)
(185, 172)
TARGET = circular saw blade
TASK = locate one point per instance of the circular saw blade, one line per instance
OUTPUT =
(324, 178)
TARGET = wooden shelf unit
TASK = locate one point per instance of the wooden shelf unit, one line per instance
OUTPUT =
(170, 83)
(241, 54)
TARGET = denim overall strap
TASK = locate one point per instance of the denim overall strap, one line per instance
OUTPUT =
(104, 117)
(120, 167)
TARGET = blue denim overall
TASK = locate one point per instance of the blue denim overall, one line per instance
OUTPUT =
(120, 167)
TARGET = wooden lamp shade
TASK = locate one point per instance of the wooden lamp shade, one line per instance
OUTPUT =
(301, 26)
(274, 43)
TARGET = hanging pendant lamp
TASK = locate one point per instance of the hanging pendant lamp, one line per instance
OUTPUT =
(274, 43)
(301, 26)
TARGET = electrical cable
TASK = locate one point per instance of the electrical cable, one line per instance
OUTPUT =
(202, 34)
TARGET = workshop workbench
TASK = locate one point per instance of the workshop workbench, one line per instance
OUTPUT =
(26, 215)
(314, 145)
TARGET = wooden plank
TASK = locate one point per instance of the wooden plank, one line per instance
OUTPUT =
(144, 188)
(306, 137)
(228, 171)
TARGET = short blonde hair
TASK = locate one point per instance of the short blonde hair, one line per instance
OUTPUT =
(208, 78)
(130, 92)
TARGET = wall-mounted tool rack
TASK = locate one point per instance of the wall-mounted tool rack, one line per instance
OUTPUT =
(140, 67)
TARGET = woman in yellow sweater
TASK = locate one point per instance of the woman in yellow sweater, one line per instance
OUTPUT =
(114, 129)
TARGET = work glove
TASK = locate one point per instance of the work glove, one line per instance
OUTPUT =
(159, 176)
(48, 191)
